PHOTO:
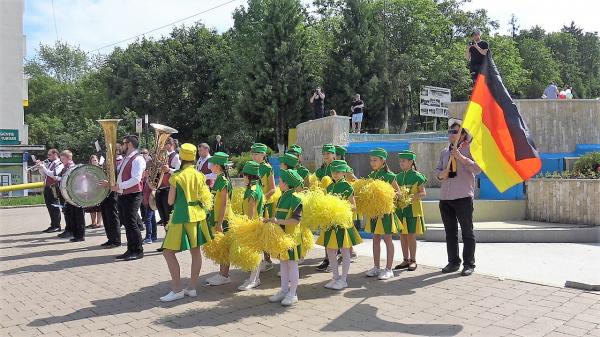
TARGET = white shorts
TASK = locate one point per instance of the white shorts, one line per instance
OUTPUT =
(357, 118)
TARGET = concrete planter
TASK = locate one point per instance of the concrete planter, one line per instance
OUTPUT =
(569, 201)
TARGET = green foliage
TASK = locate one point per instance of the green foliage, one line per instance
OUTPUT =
(589, 162)
(569, 175)
(240, 161)
(36, 199)
(510, 64)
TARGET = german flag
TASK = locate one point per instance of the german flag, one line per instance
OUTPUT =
(501, 145)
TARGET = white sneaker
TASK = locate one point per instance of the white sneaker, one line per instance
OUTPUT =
(373, 272)
(266, 266)
(277, 297)
(218, 280)
(353, 257)
(289, 300)
(328, 269)
(249, 285)
(172, 296)
(330, 284)
(340, 258)
(386, 274)
(339, 285)
(190, 292)
(211, 279)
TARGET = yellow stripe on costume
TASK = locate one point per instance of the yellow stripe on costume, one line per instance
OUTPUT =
(486, 153)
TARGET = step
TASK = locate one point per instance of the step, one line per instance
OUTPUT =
(522, 232)
(483, 210)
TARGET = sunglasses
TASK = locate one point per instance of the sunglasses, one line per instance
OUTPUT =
(452, 132)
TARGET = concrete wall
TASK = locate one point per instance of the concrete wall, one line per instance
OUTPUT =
(572, 201)
(313, 134)
(12, 82)
(428, 154)
(555, 125)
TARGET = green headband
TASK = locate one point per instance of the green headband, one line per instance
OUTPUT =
(296, 149)
(289, 159)
(379, 152)
(340, 166)
(340, 150)
(328, 148)
(407, 155)
(219, 158)
(251, 168)
(291, 178)
(258, 148)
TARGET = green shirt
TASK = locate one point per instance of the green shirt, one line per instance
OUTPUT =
(341, 188)
(323, 171)
(410, 178)
(302, 171)
(382, 174)
(254, 191)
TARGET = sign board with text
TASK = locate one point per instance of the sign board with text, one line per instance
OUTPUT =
(434, 101)
(9, 137)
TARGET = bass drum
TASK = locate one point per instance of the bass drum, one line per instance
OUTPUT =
(79, 185)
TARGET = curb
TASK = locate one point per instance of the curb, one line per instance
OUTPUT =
(21, 206)
(582, 286)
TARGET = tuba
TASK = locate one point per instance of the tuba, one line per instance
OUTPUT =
(159, 156)
(109, 126)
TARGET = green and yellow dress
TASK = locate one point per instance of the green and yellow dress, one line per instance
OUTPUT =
(187, 227)
(220, 183)
(265, 171)
(388, 223)
(288, 205)
(323, 173)
(339, 237)
(302, 171)
(254, 191)
(411, 216)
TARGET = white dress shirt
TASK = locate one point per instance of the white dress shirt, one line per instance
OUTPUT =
(54, 173)
(137, 170)
(200, 163)
(175, 164)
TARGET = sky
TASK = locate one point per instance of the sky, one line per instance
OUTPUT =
(94, 24)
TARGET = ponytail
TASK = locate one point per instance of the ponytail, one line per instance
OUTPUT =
(385, 166)
(414, 166)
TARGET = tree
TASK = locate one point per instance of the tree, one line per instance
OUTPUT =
(510, 64)
(537, 59)
(513, 24)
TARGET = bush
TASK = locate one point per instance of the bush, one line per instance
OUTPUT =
(589, 162)
(240, 161)
(570, 175)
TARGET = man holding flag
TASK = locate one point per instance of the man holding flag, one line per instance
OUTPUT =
(500, 146)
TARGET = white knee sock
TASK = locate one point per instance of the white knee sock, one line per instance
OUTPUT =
(285, 277)
(333, 264)
(294, 276)
(345, 263)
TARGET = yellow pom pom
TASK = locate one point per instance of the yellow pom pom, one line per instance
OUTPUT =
(237, 200)
(374, 197)
(313, 181)
(218, 248)
(323, 211)
(403, 198)
(308, 240)
(325, 182)
(206, 198)
(244, 258)
(256, 235)
(275, 197)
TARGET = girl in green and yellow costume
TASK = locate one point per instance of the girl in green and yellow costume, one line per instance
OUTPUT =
(339, 238)
(323, 175)
(287, 214)
(411, 215)
(253, 206)
(386, 225)
(267, 179)
(221, 212)
(296, 150)
(340, 154)
(187, 228)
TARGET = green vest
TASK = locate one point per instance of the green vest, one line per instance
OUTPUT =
(323, 171)
(341, 188)
(302, 171)
(382, 174)
(254, 191)
(287, 204)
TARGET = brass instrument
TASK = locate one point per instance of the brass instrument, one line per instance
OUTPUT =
(159, 156)
(109, 126)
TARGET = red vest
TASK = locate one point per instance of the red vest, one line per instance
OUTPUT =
(50, 180)
(126, 175)
(205, 170)
(165, 181)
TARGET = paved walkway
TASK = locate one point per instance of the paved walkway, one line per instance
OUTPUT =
(53, 287)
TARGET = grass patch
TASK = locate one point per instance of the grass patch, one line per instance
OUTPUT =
(21, 201)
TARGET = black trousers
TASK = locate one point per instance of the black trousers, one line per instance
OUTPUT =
(162, 203)
(110, 218)
(454, 212)
(474, 70)
(75, 219)
(53, 211)
(129, 213)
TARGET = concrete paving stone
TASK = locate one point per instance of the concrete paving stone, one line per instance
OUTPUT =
(577, 323)
(571, 330)
(594, 332)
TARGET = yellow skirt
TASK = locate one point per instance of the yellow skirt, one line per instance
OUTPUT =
(182, 237)
(338, 237)
(387, 224)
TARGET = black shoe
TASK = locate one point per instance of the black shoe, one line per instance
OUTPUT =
(123, 256)
(160, 249)
(467, 271)
(134, 256)
(77, 239)
(402, 265)
(65, 235)
(323, 266)
(450, 268)
(106, 244)
(51, 230)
